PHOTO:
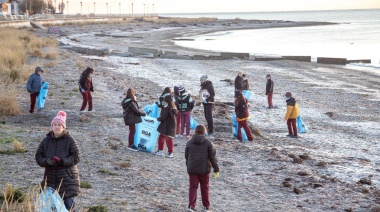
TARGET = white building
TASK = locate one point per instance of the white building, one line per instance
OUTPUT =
(9, 7)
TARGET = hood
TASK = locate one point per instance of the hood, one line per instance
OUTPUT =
(198, 139)
(126, 100)
(38, 69)
(291, 101)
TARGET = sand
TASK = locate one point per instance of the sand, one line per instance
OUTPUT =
(318, 172)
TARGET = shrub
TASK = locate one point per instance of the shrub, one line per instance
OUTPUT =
(51, 56)
(85, 184)
(98, 208)
(18, 147)
(12, 195)
(9, 105)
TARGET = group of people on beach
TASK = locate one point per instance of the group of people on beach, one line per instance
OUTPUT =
(59, 153)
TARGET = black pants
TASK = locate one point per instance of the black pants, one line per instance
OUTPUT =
(208, 116)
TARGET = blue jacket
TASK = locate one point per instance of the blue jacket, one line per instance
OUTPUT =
(34, 83)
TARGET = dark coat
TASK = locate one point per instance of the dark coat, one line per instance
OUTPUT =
(66, 148)
(34, 83)
(83, 82)
(184, 103)
(161, 101)
(131, 112)
(168, 121)
(239, 85)
(210, 88)
(269, 88)
(242, 110)
(245, 85)
(200, 156)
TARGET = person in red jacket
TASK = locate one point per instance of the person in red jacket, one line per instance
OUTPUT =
(200, 156)
(85, 88)
(242, 115)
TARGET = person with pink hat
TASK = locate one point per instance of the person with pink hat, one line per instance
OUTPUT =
(59, 154)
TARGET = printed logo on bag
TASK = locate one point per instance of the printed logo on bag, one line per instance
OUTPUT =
(148, 120)
(149, 112)
(145, 133)
(142, 143)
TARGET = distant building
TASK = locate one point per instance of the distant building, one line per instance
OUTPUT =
(9, 7)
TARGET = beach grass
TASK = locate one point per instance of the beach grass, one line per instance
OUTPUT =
(9, 93)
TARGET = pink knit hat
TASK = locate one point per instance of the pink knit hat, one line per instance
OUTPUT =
(60, 118)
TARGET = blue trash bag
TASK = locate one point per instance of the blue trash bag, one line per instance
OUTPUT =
(302, 128)
(42, 95)
(193, 123)
(235, 129)
(151, 110)
(247, 94)
(50, 201)
(146, 134)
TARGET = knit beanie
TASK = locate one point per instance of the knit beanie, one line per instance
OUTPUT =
(203, 78)
(181, 90)
(288, 94)
(60, 118)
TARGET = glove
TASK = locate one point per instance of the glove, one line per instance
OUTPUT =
(82, 90)
(51, 162)
(57, 159)
(216, 175)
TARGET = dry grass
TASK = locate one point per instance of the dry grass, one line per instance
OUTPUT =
(51, 56)
(9, 93)
(18, 147)
(51, 64)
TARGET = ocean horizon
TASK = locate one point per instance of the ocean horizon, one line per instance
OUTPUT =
(354, 36)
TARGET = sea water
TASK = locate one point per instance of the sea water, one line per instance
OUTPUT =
(356, 35)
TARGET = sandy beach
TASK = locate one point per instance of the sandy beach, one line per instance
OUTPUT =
(322, 169)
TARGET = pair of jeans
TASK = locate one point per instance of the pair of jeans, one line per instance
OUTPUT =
(87, 97)
(33, 98)
(194, 181)
(244, 125)
(162, 139)
(270, 96)
(185, 122)
(131, 136)
(69, 203)
(208, 115)
(292, 126)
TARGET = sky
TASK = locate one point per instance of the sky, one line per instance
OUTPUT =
(205, 6)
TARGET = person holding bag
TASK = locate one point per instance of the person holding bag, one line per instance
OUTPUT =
(242, 115)
(167, 127)
(132, 116)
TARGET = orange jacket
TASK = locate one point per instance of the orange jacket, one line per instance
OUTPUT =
(292, 110)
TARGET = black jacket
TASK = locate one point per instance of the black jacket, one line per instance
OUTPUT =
(184, 103)
(66, 148)
(161, 101)
(245, 85)
(168, 121)
(131, 112)
(83, 82)
(239, 85)
(200, 156)
(241, 110)
(210, 88)
(269, 88)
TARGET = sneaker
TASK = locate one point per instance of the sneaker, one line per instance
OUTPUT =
(190, 208)
(82, 111)
(294, 136)
(188, 136)
(170, 155)
(91, 111)
(158, 153)
(177, 135)
(133, 148)
(289, 135)
(31, 111)
(206, 209)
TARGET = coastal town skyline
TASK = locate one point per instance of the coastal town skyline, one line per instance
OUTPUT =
(210, 6)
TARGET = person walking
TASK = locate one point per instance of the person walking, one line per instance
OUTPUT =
(176, 97)
(292, 113)
(242, 115)
(59, 154)
(185, 105)
(207, 94)
(239, 82)
(33, 86)
(85, 88)
(200, 156)
(132, 116)
(269, 91)
(167, 127)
